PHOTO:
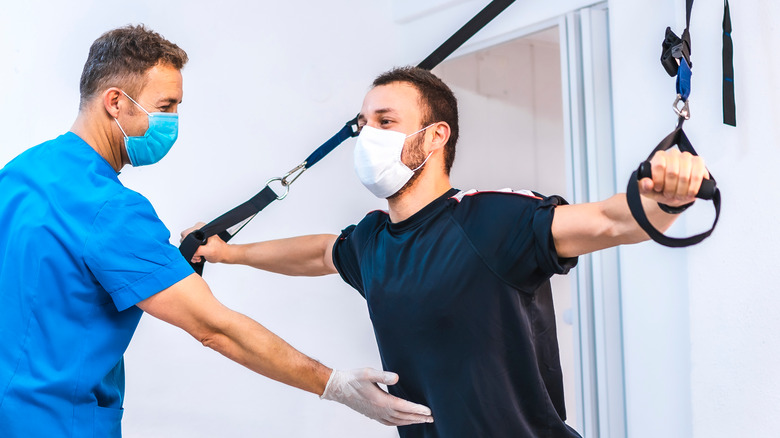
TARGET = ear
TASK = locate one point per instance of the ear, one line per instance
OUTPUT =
(441, 134)
(110, 99)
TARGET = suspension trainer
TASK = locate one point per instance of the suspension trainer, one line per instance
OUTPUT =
(676, 60)
(230, 223)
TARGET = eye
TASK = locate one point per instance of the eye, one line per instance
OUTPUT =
(385, 122)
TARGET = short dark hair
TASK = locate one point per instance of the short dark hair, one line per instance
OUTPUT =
(437, 102)
(121, 57)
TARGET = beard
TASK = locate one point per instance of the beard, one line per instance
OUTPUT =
(415, 157)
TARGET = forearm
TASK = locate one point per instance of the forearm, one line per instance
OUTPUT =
(626, 229)
(248, 343)
(299, 256)
(583, 228)
(190, 305)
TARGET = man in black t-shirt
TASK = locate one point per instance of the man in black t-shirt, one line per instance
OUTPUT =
(457, 283)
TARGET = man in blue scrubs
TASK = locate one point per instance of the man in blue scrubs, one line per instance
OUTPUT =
(82, 257)
(457, 282)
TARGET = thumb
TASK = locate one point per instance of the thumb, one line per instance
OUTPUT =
(646, 184)
(388, 378)
(377, 376)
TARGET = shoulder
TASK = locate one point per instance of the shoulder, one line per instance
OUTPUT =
(361, 232)
(505, 195)
(33, 156)
(127, 205)
(500, 208)
(369, 224)
(497, 202)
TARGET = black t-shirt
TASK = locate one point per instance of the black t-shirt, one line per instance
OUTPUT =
(460, 300)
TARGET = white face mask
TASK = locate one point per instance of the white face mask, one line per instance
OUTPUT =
(378, 160)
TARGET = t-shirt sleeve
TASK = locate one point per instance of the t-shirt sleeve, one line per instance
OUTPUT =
(345, 258)
(349, 247)
(513, 235)
(129, 253)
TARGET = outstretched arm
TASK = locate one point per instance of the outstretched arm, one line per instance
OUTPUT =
(582, 228)
(190, 305)
(299, 256)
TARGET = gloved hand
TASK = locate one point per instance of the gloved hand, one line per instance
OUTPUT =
(358, 389)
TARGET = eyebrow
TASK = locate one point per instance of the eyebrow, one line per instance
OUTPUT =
(168, 101)
(381, 111)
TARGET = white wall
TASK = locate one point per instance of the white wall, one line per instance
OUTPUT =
(700, 323)
(266, 85)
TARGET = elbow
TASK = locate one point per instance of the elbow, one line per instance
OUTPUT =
(208, 334)
(212, 340)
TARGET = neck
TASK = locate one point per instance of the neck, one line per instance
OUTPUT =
(424, 191)
(97, 133)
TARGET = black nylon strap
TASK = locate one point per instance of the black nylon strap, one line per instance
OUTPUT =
(679, 139)
(729, 104)
(483, 17)
(246, 211)
(222, 224)
(688, 9)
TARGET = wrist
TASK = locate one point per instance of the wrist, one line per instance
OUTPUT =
(231, 254)
(327, 385)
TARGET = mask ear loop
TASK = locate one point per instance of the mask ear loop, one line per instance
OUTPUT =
(429, 155)
(413, 133)
(136, 103)
(423, 163)
(120, 127)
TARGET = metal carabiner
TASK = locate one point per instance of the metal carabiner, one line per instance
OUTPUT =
(683, 112)
(295, 172)
(299, 169)
(286, 187)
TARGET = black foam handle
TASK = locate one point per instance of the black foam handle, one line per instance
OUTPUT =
(190, 245)
(706, 191)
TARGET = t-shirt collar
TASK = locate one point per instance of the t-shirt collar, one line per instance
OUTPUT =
(425, 212)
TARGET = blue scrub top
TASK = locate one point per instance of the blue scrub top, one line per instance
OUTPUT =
(78, 250)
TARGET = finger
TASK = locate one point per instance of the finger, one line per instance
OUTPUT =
(671, 173)
(658, 168)
(406, 407)
(185, 233)
(189, 230)
(698, 173)
(401, 419)
(684, 176)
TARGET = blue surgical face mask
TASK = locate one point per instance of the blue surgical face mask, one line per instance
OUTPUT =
(158, 140)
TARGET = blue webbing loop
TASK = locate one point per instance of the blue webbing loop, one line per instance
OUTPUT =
(349, 130)
(684, 80)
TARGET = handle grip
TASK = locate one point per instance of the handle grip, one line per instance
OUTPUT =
(190, 245)
(706, 191)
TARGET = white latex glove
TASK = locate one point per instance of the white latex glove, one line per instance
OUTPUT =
(358, 389)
